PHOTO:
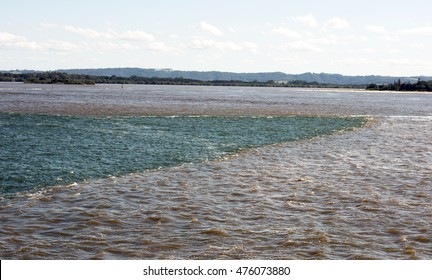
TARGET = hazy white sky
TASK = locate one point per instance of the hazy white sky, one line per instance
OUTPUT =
(346, 37)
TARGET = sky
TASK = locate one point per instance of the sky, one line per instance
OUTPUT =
(350, 38)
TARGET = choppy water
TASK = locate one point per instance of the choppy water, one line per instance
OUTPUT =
(355, 194)
(39, 151)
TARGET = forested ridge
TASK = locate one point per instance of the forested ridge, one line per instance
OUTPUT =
(321, 78)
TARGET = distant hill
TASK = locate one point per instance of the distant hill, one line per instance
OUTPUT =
(322, 78)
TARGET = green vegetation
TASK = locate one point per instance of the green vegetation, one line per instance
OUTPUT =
(63, 78)
(399, 86)
(84, 79)
(322, 78)
(46, 78)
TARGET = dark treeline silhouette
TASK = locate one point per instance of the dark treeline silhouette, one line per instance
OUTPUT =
(398, 86)
(63, 78)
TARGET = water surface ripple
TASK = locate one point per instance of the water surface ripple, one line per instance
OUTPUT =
(351, 195)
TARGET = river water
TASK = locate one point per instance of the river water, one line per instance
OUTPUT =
(360, 193)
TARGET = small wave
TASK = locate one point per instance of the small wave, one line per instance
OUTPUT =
(214, 232)
(414, 118)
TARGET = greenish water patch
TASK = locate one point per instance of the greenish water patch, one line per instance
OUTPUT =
(38, 151)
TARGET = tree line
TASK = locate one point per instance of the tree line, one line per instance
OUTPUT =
(398, 86)
(81, 79)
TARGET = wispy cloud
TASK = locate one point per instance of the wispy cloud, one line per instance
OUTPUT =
(420, 30)
(376, 29)
(88, 32)
(301, 46)
(135, 35)
(109, 40)
(419, 46)
(382, 33)
(308, 21)
(161, 47)
(337, 23)
(208, 44)
(292, 60)
(353, 61)
(49, 25)
(16, 42)
(11, 41)
(108, 46)
(113, 39)
(204, 26)
(7, 38)
(251, 46)
(223, 45)
(406, 62)
(333, 39)
(287, 32)
(62, 46)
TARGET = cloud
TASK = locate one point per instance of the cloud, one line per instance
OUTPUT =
(292, 60)
(232, 30)
(406, 62)
(137, 35)
(161, 47)
(108, 46)
(204, 26)
(421, 30)
(11, 41)
(376, 29)
(251, 46)
(16, 42)
(62, 46)
(204, 44)
(49, 25)
(419, 46)
(308, 21)
(7, 38)
(382, 33)
(370, 50)
(134, 35)
(87, 32)
(332, 39)
(223, 45)
(27, 45)
(301, 46)
(337, 23)
(354, 61)
(101, 41)
(287, 32)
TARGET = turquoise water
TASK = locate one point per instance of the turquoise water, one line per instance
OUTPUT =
(38, 150)
(354, 195)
